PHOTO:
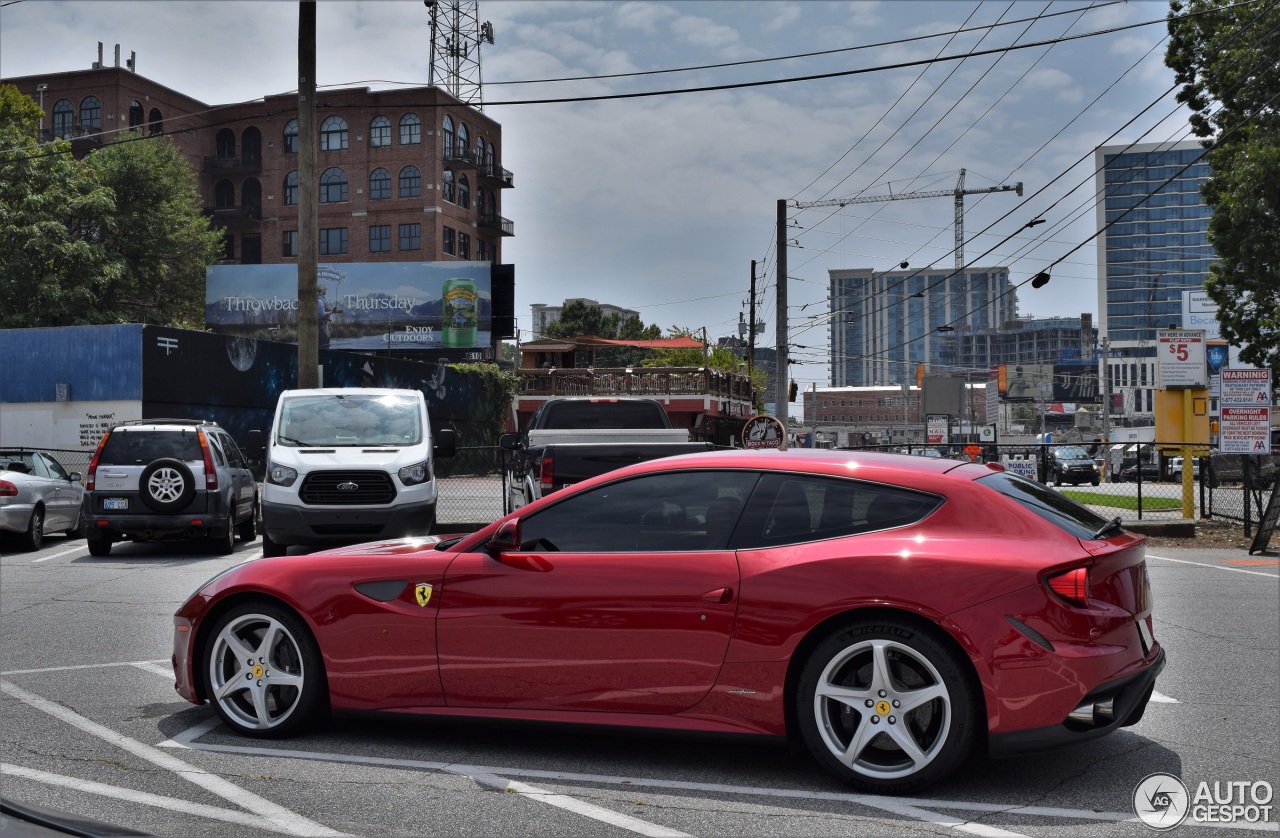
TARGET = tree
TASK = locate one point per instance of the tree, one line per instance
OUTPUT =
(1225, 62)
(157, 232)
(52, 264)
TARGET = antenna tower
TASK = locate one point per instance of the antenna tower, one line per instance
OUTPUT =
(456, 36)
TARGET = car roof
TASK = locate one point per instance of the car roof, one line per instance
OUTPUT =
(351, 391)
(868, 465)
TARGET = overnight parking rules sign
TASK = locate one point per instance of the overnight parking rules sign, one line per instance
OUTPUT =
(1245, 407)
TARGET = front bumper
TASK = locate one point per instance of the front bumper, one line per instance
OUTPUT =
(289, 524)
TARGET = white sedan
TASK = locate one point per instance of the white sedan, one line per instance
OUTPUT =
(38, 496)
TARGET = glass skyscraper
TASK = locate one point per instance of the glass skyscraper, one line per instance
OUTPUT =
(1156, 247)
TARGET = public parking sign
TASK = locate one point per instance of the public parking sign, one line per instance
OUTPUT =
(1181, 359)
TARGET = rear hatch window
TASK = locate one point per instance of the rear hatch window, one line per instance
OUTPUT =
(1052, 506)
(138, 448)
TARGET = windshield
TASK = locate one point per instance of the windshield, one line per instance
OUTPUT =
(1073, 454)
(353, 419)
(1053, 506)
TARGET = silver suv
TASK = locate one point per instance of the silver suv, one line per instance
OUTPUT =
(169, 478)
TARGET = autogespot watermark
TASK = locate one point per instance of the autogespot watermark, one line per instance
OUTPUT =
(1163, 801)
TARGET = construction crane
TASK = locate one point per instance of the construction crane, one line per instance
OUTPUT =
(958, 193)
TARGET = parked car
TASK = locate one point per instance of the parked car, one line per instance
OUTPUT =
(38, 497)
(1148, 472)
(169, 479)
(1071, 464)
(1175, 469)
(760, 592)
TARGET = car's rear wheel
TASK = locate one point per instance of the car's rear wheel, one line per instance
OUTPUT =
(77, 531)
(99, 546)
(886, 707)
(262, 671)
(33, 538)
(225, 544)
(249, 526)
(167, 485)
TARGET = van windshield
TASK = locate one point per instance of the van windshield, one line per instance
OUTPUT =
(349, 419)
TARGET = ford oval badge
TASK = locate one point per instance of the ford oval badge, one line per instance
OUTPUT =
(348, 486)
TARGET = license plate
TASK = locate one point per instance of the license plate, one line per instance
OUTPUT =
(115, 503)
(1145, 633)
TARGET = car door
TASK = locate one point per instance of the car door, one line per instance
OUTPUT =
(621, 598)
(66, 494)
(241, 477)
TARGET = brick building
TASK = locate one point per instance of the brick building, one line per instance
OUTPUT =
(408, 175)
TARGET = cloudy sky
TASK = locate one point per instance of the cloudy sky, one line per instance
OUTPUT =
(660, 202)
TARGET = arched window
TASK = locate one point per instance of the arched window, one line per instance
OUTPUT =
(479, 151)
(481, 202)
(63, 119)
(410, 182)
(251, 197)
(448, 136)
(155, 122)
(379, 132)
(489, 158)
(136, 115)
(410, 129)
(448, 185)
(333, 134)
(226, 144)
(291, 189)
(91, 113)
(379, 185)
(463, 139)
(224, 195)
(333, 186)
(464, 192)
(290, 144)
(251, 145)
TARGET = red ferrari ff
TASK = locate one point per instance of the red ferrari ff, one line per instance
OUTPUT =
(896, 613)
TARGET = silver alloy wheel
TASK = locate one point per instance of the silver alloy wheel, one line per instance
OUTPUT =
(882, 709)
(256, 672)
(166, 484)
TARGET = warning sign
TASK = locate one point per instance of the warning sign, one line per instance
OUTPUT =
(1245, 430)
(1245, 388)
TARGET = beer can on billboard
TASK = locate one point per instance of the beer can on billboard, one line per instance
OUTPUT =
(461, 312)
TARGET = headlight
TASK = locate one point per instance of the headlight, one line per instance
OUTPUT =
(281, 475)
(415, 474)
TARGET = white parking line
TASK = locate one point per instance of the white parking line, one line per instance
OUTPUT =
(79, 666)
(285, 821)
(156, 669)
(170, 804)
(1215, 566)
(1161, 698)
(79, 549)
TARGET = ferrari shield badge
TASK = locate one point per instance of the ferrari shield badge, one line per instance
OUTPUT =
(423, 593)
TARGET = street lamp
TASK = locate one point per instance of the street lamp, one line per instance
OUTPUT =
(40, 89)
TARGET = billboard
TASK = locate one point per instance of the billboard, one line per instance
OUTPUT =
(1076, 383)
(364, 306)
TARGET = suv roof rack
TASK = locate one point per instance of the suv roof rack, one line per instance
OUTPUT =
(166, 422)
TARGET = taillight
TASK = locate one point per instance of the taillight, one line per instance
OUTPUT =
(546, 475)
(93, 464)
(210, 473)
(8, 490)
(1071, 585)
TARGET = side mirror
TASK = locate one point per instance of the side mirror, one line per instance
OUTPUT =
(510, 442)
(75, 477)
(507, 537)
(253, 446)
(446, 443)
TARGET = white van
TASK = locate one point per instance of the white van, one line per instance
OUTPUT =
(349, 465)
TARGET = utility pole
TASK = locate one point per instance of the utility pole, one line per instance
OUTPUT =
(784, 369)
(751, 324)
(308, 195)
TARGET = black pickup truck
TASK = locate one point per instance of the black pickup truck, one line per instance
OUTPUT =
(570, 439)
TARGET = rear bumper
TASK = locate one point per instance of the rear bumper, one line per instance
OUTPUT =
(288, 524)
(156, 526)
(1128, 700)
(15, 517)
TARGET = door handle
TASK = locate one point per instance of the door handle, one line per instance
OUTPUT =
(719, 596)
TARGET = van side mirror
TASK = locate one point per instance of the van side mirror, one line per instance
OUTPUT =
(446, 443)
(507, 537)
(253, 448)
(510, 442)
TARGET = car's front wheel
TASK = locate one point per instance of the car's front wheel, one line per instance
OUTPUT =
(271, 549)
(249, 526)
(262, 671)
(886, 707)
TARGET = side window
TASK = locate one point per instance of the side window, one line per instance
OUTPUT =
(653, 513)
(234, 457)
(215, 444)
(55, 468)
(795, 508)
(39, 468)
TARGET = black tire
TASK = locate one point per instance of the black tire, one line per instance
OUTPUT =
(99, 546)
(33, 538)
(167, 485)
(1095, 481)
(249, 526)
(942, 727)
(234, 666)
(224, 544)
(271, 549)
